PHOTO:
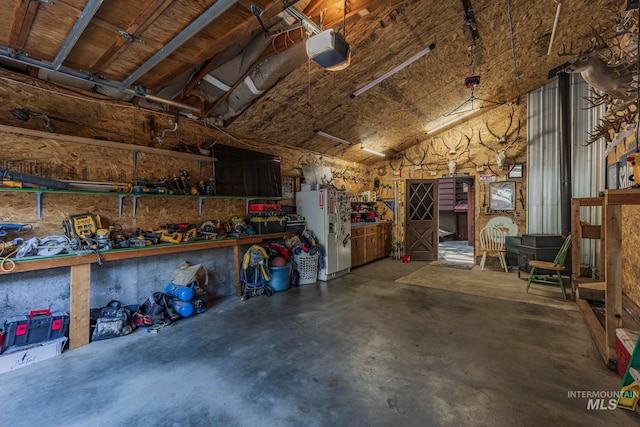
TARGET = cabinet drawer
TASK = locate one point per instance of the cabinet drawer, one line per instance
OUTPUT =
(357, 231)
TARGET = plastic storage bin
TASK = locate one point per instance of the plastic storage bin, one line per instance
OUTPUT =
(38, 326)
(280, 278)
(307, 266)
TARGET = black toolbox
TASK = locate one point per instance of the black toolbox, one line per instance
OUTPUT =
(38, 326)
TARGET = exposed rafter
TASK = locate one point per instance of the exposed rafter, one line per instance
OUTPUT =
(192, 29)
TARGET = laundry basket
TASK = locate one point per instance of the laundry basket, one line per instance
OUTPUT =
(307, 266)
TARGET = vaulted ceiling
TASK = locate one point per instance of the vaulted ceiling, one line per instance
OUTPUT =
(242, 64)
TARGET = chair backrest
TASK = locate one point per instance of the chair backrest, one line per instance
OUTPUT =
(562, 253)
(492, 238)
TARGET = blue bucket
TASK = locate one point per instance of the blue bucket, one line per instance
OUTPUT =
(280, 278)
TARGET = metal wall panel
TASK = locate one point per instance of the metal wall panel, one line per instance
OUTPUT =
(543, 162)
(589, 165)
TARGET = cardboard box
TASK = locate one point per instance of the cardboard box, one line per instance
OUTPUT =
(19, 357)
(625, 343)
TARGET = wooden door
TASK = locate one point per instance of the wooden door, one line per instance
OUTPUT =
(421, 213)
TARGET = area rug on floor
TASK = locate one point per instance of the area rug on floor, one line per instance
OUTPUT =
(487, 284)
(450, 264)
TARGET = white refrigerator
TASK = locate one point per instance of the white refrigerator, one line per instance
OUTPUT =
(328, 215)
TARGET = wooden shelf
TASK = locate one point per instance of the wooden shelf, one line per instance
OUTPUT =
(610, 236)
(107, 144)
(80, 271)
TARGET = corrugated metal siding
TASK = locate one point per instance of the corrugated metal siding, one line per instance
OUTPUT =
(589, 164)
(543, 162)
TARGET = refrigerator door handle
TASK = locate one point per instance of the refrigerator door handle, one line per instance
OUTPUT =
(338, 219)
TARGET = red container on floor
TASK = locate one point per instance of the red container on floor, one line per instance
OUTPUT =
(406, 259)
(38, 326)
(625, 343)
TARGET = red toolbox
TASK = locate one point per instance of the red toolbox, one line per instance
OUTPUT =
(265, 206)
(38, 326)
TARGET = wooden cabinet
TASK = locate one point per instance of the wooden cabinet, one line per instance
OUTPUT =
(370, 242)
(357, 246)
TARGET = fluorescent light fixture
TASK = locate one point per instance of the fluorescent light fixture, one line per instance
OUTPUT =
(409, 61)
(459, 119)
(331, 137)
(369, 150)
(555, 26)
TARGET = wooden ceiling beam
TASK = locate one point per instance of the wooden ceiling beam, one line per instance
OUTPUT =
(137, 26)
(312, 7)
(23, 17)
(232, 38)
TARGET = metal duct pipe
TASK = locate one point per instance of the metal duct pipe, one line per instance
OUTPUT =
(564, 120)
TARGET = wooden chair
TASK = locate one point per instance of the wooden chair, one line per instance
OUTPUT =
(492, 241)
(557, 265)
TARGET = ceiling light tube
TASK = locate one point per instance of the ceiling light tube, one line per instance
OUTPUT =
(377, 153)
(331, 137)
(555, 26)
(409, 61)
(458, 120)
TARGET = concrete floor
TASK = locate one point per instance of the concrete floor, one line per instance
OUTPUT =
(361, 350)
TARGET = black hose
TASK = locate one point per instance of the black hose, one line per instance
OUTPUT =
(31, 179)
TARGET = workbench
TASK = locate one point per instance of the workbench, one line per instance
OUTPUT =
(80, 272)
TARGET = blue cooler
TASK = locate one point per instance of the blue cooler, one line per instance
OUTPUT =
(280, 278)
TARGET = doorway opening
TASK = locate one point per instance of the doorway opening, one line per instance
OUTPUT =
(456, 220)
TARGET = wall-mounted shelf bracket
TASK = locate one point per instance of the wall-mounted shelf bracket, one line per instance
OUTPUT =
(120, 198)
(39, 205)
(134, 154)
(134, 202)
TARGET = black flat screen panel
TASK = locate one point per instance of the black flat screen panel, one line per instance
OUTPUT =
(247, 173)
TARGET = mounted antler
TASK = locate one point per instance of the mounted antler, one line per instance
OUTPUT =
(452, 163)
(479, 167)
(419, 152)
(395, 162)
(501, 155)
(503, 139)
(453, 150)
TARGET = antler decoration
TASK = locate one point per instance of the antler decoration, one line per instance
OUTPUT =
(501, 155)
(419, 152)
(395, 162)
(479, 167)
(503, 139)
(452, 163)
(453, 150)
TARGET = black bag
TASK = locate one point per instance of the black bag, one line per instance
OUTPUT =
(155, 310)
(112, 321)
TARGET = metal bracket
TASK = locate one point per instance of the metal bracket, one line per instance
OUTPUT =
(120, 198)
(130, 37)
(134, 203)
(39, 205)
(134, 154)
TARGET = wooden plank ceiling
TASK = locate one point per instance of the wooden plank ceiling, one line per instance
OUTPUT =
(510, 56)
